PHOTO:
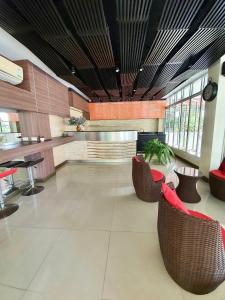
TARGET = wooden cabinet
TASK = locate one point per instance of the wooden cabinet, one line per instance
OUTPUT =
(16, 98)
(38, 92)
(28, 82)
(41, 90)
(58, 98)
(78, 102)
(34, 124)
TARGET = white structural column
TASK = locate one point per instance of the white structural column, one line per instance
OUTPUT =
(214, 123)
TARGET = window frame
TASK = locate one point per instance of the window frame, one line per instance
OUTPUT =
(197, 108)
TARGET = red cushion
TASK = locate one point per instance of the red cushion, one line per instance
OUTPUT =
(156, 175)
(199, 215)
(218, 173)
(7, 173)
(223, 236)
(222, 168)
(173, 199)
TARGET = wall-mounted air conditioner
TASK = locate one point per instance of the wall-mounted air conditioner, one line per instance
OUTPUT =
(10, 72)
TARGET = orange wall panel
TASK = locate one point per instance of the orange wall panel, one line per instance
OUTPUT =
(127, 110)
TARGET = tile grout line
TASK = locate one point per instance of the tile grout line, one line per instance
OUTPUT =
(13, 287)
(107, 256)
(44, 259)
(106, 264)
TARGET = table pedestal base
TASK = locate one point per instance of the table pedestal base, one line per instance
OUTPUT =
(186, 189)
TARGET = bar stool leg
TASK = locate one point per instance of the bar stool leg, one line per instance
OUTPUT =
(6, 209)
(32, 190)
(12, 184)
(30, 176)
(2, 204)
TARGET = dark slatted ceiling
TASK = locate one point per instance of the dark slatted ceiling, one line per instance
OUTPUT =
(179, 14)
(89, 21)
(169, 40)
(133, 18)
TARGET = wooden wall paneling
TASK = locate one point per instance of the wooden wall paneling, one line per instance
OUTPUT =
(86, 115)
(34, 124)
(16, 98)
(44, 125)
(70, 98)
(38, 92)
(58, 96)
(78, 102)
(28, 76)
(29, 123)
(41, 90)
(127, 110)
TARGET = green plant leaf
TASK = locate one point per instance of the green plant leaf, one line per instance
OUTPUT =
(162, 151)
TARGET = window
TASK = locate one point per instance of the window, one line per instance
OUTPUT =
(5, 127)
(185, 117)
(184, 124)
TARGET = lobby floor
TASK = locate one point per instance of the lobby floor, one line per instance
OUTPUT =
(88, 237)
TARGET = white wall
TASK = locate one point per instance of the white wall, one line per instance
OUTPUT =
(140, 125)
(57, 125)
(212, 150)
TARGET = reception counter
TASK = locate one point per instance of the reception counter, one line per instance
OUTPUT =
(112, 146)
(104, 136)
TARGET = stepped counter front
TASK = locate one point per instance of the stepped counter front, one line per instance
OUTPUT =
(114, 146)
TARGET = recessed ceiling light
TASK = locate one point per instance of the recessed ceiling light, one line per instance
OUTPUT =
(117, 70)
(141, 69)
(73, 70)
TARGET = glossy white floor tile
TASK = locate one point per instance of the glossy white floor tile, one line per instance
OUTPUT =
(135, 269)
(75, 267)
(133, 215)
(87, 236)
(10, 293)
(22, 254)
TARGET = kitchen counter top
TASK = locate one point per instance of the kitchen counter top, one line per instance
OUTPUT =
(23, 149)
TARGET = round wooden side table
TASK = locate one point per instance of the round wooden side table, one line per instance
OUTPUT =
(186, 189)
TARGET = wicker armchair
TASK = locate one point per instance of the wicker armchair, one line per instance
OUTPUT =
(217, 183)
(145, 187)
(192, 249)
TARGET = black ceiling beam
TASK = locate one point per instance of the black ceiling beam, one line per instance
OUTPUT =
(26, 31)
(191, 61)
(203, 11)
(153, 22)
(66, 19)
(111, 19)
(188, 64)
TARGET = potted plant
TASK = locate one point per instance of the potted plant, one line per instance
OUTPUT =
(78, 122)
(161, 151)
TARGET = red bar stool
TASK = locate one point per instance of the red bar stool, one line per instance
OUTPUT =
(6, 209)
